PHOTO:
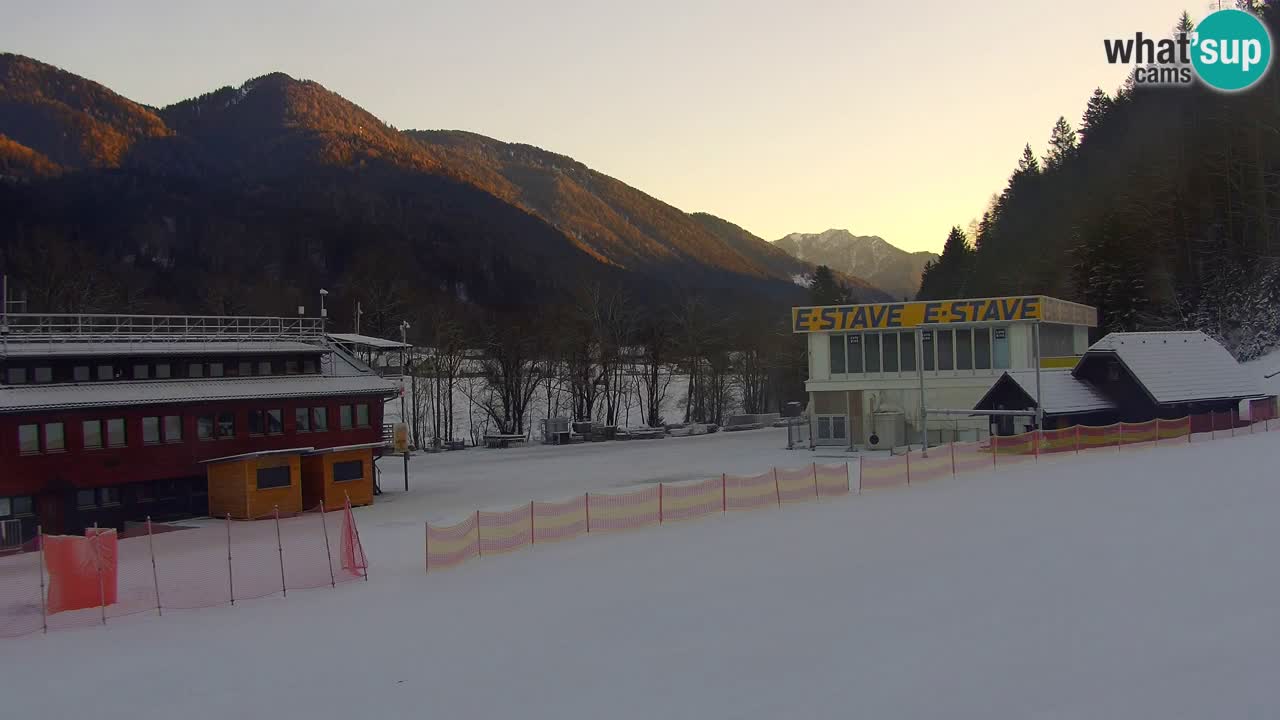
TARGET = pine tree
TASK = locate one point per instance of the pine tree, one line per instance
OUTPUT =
(1185, 24)
(826, 290)
(1028, 164)
(1095, 113)
(948, 277)
(1062, 145)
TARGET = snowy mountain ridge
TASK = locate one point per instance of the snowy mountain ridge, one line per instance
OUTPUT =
(869, 257)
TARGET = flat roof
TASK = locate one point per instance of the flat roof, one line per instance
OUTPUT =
(23, 398)
(259, 453)
(48, 348)
(374, 342)
(888, 316)
(344, 448)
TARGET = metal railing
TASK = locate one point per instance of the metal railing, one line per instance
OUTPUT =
(40, 327)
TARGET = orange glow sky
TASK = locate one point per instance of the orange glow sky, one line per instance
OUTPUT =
(887, 118)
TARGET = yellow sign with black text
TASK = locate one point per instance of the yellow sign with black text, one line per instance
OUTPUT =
(884, 316)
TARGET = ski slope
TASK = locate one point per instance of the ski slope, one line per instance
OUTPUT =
(1136, 584)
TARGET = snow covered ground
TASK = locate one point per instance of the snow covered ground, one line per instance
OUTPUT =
(1136, 584)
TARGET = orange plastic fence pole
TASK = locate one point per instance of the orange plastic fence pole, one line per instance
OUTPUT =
(231, 581)
(426, 548)
(284, 586)
(1157, 432)
(776, 488)
(859, 474)
(479, 537)
(44, 613)
(995, 450)
(659, 503)
(953, 457)
(327, 552)
(533, 539)
(724, 493)
(587, 497)
(1035, 444)
(815, 482)
(848, 481)
(908, 457)
(155, 575)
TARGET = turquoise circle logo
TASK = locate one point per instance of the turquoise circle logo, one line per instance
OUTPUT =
(1231, 50)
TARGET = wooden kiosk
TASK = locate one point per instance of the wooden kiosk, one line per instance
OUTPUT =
(252, 485)
(331, 475)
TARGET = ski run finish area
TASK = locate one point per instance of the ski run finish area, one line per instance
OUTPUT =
(1140, 584)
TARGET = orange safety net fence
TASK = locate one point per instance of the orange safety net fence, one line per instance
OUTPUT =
(876, 473)
(559, 521)
(798, 485)
(749, 493)
(451, 545)
(611, 513)
(936, 465)
(834, 480)
(688, 501)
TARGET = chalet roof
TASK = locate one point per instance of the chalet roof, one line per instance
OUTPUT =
(1064, 394)
(257, 454)
(21, 398)
(1176, 367)
(52, 349)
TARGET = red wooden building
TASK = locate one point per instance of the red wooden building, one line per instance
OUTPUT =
(106, 419)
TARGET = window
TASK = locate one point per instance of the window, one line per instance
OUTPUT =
(92, 431)
(275, 422)
(54, 437)
(173, 428)
(44, 374)
(16, 376)
(6, 508)
(309, 366)
(964, 349)
(264, 367)
(256, 422)
(302, 419)
(291, 367)
(1000, 348)
(837, 354)
(926, 342)
(320, 419)
(837, 427)
(29, 439)
(215, 369)
(982, 348)
(141, 372)
(108, 496)
(195, 370)
(907, 354)
(204, 427)
(946, 350)
(150, 431)
(23, 505)
(348, 471)
(890, 343)
(274, 477)
(226, 425)
(115, 433)
(824, 428)
(362, 416)
(142, 492)
(86, 498)
(80, 373)
(855, 354)
(246, 368)
(871, 351)
(344, 417)
(167, 489)
(163, 371)
(106, 372)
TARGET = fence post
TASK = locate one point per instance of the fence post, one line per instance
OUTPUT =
(908, 458)
(533, 538)
(155, 576)
(479, 537)
(324, 526)
(1120, 440)
(426, 547)
(953, 456)
(777, 489)
(1077, 436)
(1231, 419)
(848, 481)
(587, 496)
(95, 544)
(660, 494)
(724, 493)
(816, 496)
(1188, 429)
(284, 587)
(1157, 432)
(859, 474)
(44, 614)
(231, 581)
(995, 450)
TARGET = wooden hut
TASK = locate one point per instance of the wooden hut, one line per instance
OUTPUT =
(252, 485)
(331, 475)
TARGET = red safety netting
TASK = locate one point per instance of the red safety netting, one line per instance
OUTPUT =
(506, 531)
(628, 511)
(1057, 441)
(882, 472)
(256, 563)
(936, 465)
(1138, 433)
(751, 492)
(1014, 449)
(559, 521)
(834, 480)
(308, 553)
(135, 579)
(686, 501)
(797, 485)
(1094, 438)
(972, 456)
(1169, 431)
(451, 545)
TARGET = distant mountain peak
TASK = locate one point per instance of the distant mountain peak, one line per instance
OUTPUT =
(869, 257)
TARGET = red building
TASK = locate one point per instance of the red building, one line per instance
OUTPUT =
(106, 419)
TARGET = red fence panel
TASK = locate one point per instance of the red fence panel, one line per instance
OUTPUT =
(451, 545)
(797, 484)
(883, 472)
(637, 509)
(834, 480)
(937, 465)
(507, 531)
(686, 501)
(553, 521)
(749, 493)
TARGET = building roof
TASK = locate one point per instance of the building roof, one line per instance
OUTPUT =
(257, 454)
(1064, 394)
(20, 398)
(370, 341)
(68, 349)
(1176, 367)
(344, 448)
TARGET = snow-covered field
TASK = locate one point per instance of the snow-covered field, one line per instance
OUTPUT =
(1136, 584)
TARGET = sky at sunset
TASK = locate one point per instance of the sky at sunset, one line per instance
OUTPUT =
(886, 118)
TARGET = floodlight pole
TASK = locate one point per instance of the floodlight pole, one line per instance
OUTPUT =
(924, 416)
(1039, 395)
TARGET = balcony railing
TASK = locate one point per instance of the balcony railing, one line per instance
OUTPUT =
(35, 327)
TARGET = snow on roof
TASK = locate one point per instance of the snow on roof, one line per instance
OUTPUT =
(19, 398)
(374, 342)
(1063, 392)
(343, 448)
(158, 347)
(1181, 366)
(257, 454)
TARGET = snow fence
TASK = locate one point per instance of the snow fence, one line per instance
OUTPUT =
(488, 532)
(64, 581)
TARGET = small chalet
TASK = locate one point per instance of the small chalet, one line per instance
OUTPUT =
(1131, 377)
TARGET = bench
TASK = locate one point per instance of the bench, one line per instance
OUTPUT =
(502, 441)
